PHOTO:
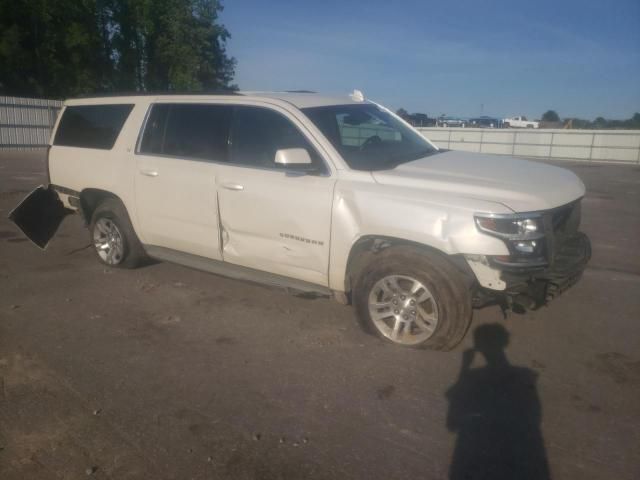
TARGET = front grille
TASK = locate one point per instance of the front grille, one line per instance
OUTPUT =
(562, 224)
(566, 220)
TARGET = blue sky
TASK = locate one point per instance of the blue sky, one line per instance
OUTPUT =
(581, 58)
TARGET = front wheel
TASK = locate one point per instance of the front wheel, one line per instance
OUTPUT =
(413, 298)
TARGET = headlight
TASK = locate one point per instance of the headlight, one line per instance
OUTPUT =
(523, 235)
(514, 227)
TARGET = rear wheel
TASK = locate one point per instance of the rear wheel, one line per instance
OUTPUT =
(113, 237)
(414, 299)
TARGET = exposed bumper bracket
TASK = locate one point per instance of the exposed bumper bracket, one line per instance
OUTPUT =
(533, 288)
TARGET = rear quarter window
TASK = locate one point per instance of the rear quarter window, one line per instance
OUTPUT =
(91, 126)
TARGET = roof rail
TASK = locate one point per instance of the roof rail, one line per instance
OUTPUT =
(157, 93)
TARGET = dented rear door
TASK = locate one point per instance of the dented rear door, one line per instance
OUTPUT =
(175, 183)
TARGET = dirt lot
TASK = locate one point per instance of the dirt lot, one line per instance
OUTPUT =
(165, 372)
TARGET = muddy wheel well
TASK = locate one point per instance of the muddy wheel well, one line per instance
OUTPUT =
(366, 248)
(90, 198)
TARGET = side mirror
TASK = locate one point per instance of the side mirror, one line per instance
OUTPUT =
(293, 157)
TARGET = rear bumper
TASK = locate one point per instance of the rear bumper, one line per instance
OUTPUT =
(540, 285)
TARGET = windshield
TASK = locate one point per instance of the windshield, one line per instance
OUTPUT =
(367, 137)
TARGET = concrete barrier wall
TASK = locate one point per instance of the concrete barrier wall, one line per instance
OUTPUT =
(588, 145)
(26, 123)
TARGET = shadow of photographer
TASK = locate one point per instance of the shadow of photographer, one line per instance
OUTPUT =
(496, 412)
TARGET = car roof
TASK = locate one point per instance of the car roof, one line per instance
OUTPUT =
(300, 98)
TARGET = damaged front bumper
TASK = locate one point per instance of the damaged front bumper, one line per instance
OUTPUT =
(39, 215)
(539, 287)
(533, 287)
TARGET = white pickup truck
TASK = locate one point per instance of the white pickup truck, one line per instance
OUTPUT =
(333, 196)
(520, 122)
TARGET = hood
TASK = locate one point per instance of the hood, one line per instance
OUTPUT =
(521, 185)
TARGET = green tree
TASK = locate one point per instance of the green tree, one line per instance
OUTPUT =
(52, 48)
(126, 22)
(69, 47)
(184, 46)
(600, 122)
(550, 116)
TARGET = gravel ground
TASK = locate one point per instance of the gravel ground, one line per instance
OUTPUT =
(165, 372)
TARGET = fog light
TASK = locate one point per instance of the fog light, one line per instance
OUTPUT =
(525, 247)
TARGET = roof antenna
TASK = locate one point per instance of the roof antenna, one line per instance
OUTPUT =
(357, 96)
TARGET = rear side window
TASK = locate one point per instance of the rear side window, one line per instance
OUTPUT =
(91, 126)
(188, 131)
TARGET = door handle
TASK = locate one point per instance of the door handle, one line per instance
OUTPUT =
(149, 173)
(233, 186)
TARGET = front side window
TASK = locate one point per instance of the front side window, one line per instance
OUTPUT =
(368, 137)
(91, 126)
(188, 131)
(258, 133)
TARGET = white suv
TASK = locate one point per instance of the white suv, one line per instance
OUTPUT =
(325, 195)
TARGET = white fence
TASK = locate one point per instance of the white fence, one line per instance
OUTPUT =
(26, 123)
(587, 145)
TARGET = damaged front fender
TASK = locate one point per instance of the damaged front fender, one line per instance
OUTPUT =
(39, 215)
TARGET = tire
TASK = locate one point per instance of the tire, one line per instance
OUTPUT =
(438, 323)
(112, 236)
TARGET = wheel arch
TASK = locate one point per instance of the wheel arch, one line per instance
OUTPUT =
(365, 248)
(90, 198)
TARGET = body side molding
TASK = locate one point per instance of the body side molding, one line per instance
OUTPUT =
(230, 270)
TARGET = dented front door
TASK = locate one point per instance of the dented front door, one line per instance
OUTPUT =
(276, 222)
(273, 217)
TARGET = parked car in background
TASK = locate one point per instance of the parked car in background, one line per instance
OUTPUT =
(451, 122)
(418, 119)
(485, 122)
(520, 122)
(421, 120)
